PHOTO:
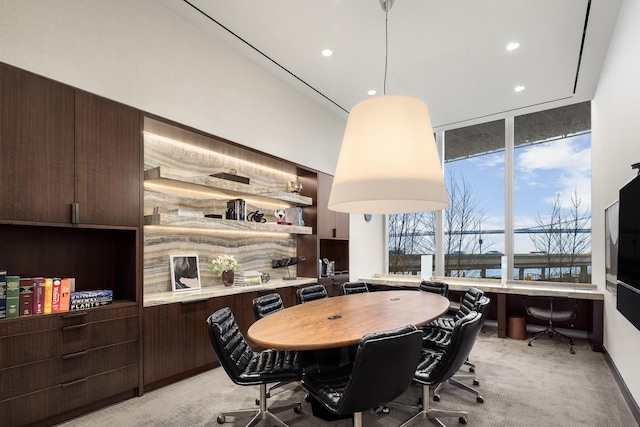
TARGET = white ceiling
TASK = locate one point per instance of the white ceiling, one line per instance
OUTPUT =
(450, 53)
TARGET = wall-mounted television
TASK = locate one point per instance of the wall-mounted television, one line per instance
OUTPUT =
(628, 297)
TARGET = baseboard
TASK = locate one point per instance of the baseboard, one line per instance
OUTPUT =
(633, 405)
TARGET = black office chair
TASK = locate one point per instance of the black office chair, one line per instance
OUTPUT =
(468, 304)
(382, 370)
(349, 288)
(440, 288)
(440, 339)
(246, 367)
(263, 306)
(551, 315)
(311, 293)
(437, 366)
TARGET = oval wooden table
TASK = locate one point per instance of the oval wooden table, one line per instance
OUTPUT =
(342, 321)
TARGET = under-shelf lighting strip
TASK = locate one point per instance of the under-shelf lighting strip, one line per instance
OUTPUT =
(216, 231)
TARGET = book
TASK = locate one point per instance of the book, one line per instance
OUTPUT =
(26, 296)
(294, 216)
(88, 299)
(55, 295)
(3, 294)
(13, 296)
(38, 295)
(65, 294)
(48, 294)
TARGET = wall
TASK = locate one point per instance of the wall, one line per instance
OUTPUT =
(615, 146)
(143, 55)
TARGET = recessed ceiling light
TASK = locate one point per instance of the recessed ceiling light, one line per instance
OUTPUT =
(513, 46)
(327, 52)
(519, 88)
(371, 92)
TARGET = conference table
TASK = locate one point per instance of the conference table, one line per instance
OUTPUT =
(341, 321)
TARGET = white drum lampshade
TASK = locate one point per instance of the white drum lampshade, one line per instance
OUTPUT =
(388, 162)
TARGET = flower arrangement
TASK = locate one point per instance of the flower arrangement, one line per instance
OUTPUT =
(223, 263)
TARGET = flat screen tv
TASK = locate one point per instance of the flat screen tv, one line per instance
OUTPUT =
(628, 297)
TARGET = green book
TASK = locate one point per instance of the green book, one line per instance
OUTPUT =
(13, 296)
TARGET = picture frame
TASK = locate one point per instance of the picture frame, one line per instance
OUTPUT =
(185, 272)
(611, 213)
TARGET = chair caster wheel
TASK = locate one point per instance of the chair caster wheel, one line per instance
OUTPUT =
(472, 370)
(220, 419)
(436, 398)
(307, 398)
(258, 402)
(380, 410)
(462, 420)
(572, 351)
(529, 344)
(297, 409)
(480, 399)
(476, 382)
(268, 395)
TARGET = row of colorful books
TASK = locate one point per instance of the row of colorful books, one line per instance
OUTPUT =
(26, 296)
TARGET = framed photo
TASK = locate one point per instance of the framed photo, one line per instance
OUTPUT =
(185, 273)
(611, 246)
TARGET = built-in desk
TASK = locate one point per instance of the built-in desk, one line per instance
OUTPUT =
(579, 291)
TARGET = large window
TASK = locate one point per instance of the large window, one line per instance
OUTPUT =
(551, 202)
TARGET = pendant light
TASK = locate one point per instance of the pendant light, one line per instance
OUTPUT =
(388, 161)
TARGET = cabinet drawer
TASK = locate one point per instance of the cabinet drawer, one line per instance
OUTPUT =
(30, 377)
(71, 338)
(40, 405)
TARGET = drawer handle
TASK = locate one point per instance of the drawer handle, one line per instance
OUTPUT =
(74, 315)
(70, 383)
(72, 327)
(72, 355)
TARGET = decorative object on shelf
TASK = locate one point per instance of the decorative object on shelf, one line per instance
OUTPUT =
(286, 262)
(225, 266)
(237, 210)
(265, 277)
(294, 187)
(280, 214)
(256, 216)
(185, 272)
(231, 176)
(294, 216)
(366, 179)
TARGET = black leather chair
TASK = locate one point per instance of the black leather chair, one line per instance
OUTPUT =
(437, 366)
(551, 315)
(468, 304)
(354, 288)
(383, 367)
(263, 306)
(440, 288)
(311, 293)
(440, 339)
(246, 367)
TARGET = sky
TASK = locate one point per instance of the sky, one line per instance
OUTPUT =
(542, 171)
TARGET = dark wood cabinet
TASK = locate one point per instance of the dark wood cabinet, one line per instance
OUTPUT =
(36, 148)
(107, 161)
(176, 340)
(331, 225)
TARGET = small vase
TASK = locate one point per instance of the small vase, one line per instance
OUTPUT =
(228, 277)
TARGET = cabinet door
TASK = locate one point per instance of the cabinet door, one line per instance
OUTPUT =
(36, 148)
(108, 168)
(330, 224)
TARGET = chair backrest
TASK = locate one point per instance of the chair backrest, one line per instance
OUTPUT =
(469, 302)
(440, 288)
(266, 305)
(234, 353)
(354, 288)
(463, 339)
(311, 293)
(383, 367)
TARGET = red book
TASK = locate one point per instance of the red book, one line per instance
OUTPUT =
(38, 295)
(26, 296)
(55, 295)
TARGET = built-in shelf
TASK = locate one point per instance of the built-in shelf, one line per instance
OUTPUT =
(220, 188)
(222, 224)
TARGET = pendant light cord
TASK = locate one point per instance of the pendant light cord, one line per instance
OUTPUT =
(386, 49)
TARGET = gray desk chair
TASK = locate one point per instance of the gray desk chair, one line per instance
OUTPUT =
(247, 368)
(383, 367)
(551, 315)
(437, 366)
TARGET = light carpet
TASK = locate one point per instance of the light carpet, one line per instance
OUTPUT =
(541, 385)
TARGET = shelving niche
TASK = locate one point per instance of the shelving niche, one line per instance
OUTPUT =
(178, 165)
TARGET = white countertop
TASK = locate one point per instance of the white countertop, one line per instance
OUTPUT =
(205, 293)
(517, 287)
